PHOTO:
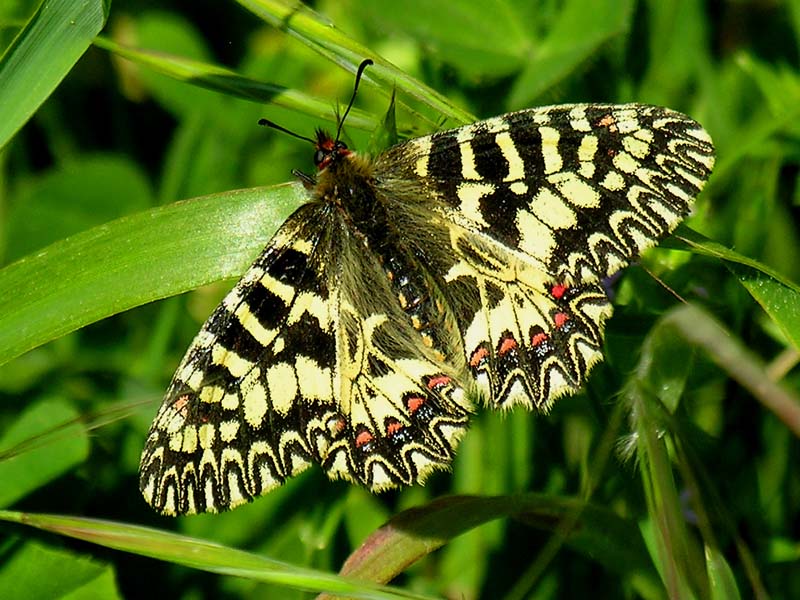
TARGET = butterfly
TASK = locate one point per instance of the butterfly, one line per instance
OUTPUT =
(456, 269)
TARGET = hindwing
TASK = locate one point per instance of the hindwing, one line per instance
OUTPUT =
(540, 206)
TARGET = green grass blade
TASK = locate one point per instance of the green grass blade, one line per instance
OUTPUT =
(701, 329)
(416, 533)
(777, 295)
(201, 554)
(134, 260)
(672, 547)
(319, 34)
(720, 576)
(229, 82)
(42, 54)
(582, 28)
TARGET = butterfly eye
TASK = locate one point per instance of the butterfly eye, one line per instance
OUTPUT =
(319, 156)
(340, 146)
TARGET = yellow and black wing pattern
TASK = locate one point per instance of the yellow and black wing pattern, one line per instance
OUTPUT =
(459, 268)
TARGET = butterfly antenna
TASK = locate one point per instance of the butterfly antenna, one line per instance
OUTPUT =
(268, 123)
(364, 64)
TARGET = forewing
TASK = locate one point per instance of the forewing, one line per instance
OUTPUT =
(579, 189)
(230, 427)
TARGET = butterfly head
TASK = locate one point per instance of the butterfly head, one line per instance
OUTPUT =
(328, 150)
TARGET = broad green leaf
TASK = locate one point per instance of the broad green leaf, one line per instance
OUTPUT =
(201, 554)
(134, 260)
(41, 56)
(43, 443)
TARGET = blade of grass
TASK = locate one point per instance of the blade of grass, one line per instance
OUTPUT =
(778, 296)
(322, 36)
(417, 532)
(229, 82)
(674, 549)
(43, 443)
(201, 554)
(134, 260)
(720, 575)
(702, 329)
(582, 28)
(42, 54)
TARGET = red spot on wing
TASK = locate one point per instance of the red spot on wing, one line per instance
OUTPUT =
(438, 380)
(393, 427)
(414, 402)
(609, 122)
(181, 405)
(560, 319)
(507, 345)
(558, 290)
(364, 438)
(478, 357)
(539, 338)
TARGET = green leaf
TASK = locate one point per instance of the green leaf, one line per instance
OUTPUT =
(321, 35)
(201, 554)
(417, 532)
(229, 82)
(703, 330)
(778, 296)
(43, 443)
(41, 56)
(134, 260)
(169, 34)
(673, 549)
(500, 49)
(38, 571)
(678, 36)
(720, 576)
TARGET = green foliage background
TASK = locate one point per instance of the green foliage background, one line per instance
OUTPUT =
(671, 475)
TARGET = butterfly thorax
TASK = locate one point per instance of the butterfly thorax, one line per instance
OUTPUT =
(348, 182)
